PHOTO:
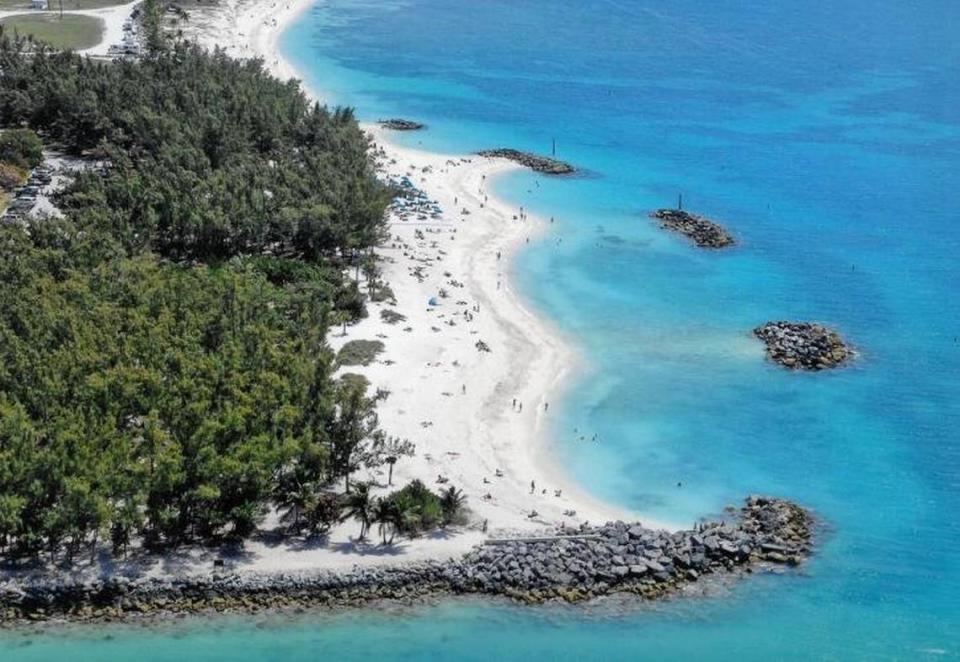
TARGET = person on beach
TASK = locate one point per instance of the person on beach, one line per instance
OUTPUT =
(546, 406)
(533, 487)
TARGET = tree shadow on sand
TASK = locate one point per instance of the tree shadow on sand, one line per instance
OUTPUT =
(366, 548)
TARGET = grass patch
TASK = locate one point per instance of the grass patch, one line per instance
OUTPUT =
(391, 316)
(71, 32)
(359, 352)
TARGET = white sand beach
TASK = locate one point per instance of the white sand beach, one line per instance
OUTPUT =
(454, 402)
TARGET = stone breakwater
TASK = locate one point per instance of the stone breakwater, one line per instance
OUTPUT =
(533, 161)
(571, 565)
(397, 124)
(704, 232)
(803, 345)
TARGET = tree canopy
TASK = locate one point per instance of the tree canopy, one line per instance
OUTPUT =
(209, 157)
(163, 365)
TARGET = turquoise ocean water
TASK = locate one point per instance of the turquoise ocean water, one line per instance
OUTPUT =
(827, 137)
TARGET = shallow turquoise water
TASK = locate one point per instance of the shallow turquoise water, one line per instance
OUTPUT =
(828, 140)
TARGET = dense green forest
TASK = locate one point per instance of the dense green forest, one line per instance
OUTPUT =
(164, 373)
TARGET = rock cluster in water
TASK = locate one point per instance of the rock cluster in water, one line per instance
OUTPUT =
(397, 124)
(533, 161)
(593, 561)
(803, 345)
(704, 232)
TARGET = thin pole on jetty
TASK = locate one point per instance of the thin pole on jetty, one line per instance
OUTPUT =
(553, 147)
(680, 202)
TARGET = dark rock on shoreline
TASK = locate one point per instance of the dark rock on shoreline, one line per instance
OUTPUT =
(803, 345)
(533, 161)
(704, 232)
(397, 124)
(575, 565)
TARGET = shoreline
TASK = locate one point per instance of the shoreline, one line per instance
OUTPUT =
(258, 27)
(457, 369)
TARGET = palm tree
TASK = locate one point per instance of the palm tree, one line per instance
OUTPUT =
(360, 506)
(324, 510)
(370, 271)
(294, 499)
(405, 515)
(452, 502)
(383, 514)
(392, 449)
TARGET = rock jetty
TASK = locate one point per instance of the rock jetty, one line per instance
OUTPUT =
(566, 565)
(704, 232)
(397, 124)
(533, 161)
(803, 345)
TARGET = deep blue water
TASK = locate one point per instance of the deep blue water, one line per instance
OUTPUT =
(827, 137)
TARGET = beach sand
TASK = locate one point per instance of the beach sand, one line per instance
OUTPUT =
(453, 401)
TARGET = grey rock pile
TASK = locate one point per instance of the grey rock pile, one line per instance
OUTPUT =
(803, 345)
(704, 232)
(542, 164)
(397, 124)
(594, 561)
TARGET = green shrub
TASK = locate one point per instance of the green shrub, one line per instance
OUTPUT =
(359, 352)
(11, 176)
(323, 512)
(355, 380)
(419, 509)
(21, 147)
(382, 292)
(391, 316)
